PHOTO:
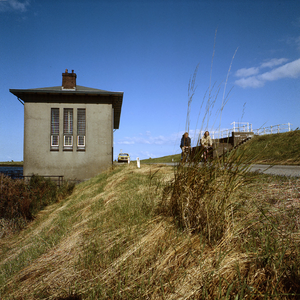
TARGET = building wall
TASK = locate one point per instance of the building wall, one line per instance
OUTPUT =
(73, 165)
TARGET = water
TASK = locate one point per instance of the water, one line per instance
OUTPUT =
(12, 171)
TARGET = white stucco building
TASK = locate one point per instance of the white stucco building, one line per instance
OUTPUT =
(68, 129)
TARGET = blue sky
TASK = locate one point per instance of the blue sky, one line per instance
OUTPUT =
(149, 49)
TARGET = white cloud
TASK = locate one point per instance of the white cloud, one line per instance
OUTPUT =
(148, 139)
(289, 70)
(246, 72)
(273, 62)
(14, 5)
(126, 142)
(249, 82)
(146, 154)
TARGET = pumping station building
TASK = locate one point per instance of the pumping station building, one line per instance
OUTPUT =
(68, 129)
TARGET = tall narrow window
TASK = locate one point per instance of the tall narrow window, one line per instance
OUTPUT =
(68, 128)
(54, 143)
(81, 129)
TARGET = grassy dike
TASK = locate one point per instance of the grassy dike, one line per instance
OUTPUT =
(127, 234)
(280, 149)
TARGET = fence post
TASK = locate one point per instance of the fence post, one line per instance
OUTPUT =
(138, 162)
(278, 129)
(289, 124)
(233, 126)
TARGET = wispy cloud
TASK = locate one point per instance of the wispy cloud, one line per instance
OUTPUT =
(161, 140)
(148, 139)
(250, 82)
(246, 72)
(255, 80)
(14, 5)
(273, 62)
(146, 154)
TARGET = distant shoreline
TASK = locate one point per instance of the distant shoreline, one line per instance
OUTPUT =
(11, 164)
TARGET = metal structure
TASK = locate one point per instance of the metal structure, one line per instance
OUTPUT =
(247, 127)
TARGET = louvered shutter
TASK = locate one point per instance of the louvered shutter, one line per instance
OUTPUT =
(54, 127)
(68, 127)
(81, 125)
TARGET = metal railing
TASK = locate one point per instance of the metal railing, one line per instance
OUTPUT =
(247, 127)
(19, 175)
(58, 179)
(273, 129)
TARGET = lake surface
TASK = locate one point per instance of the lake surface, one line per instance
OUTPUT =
(12, 171)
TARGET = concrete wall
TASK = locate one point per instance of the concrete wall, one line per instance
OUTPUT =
(223, 145)
(73, 165)
(238, 137)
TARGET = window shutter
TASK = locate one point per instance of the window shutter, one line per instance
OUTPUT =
(68, 121)
(68, 128)
(54, 128)
(81, 128)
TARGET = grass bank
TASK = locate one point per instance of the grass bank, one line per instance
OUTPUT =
(163, 159)
(280, 148)
(115, 238)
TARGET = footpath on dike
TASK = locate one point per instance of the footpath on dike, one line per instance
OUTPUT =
(280, 170)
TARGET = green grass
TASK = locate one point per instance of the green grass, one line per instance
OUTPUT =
(164, 159)
(280, 148)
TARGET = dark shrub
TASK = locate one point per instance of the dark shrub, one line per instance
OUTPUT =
(20, 199)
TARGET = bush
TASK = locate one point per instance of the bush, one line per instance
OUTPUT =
(24, 200)
(15, 199)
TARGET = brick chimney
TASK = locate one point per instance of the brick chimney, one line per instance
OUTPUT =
(68, 80)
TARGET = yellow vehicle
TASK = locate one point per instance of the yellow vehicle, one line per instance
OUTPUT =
(123, 157)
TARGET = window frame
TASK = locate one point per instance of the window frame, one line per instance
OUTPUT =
(68, 128)
(81, 129)
(54, 129)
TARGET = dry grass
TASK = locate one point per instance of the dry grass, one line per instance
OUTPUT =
(115, 246)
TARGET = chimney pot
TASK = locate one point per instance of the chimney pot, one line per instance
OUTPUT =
(66, 71)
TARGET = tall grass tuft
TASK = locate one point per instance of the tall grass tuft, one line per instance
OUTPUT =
(202, 198)
(250, 240)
